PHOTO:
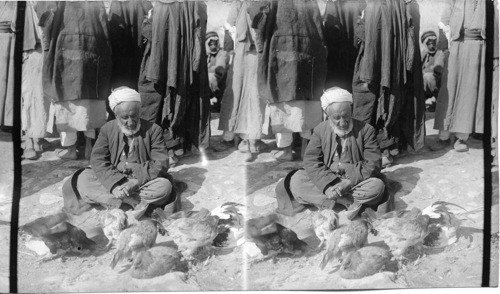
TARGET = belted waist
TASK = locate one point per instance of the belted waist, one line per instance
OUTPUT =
(472, 34)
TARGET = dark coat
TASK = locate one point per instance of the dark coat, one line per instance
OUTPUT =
(77, 58)
(125, 24)
(364, 155)
(340, 21)
(387, 82)
(108, 148)
(177, 66)
(292, 55)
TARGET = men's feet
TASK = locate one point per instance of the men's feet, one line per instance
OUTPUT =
(353, 210)
(244, 146)
(460, 146)
(440, 145)
(42, 144)
(140, 209)
(256, 146)
(29, 153)
(68, 153)
(224, 145)
(344, 201)
(283, 154)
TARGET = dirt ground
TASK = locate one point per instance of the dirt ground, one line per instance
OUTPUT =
(217, 177)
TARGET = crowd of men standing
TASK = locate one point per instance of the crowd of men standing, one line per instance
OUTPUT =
(265, 73)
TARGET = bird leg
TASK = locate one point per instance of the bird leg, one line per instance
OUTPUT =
(49, 256)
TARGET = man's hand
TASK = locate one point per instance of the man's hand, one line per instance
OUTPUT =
(333, 193)
(131, 185)
(336, 191)
(119, 192)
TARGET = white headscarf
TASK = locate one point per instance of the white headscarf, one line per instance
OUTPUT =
(335, 95)
(123, 94)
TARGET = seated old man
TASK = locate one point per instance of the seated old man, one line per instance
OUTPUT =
(342, 163)
(129, 160)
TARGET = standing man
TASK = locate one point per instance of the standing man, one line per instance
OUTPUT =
(460, 105)
(217, 64)
(432, 68)
(76, 68)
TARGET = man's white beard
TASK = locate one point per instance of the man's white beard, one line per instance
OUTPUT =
(339, 132)
(126, 131)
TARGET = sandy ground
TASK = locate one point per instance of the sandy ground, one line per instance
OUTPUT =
(215, 178)
(423, 178)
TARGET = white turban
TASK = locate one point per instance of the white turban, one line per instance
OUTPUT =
(123, 94)
(335, 95)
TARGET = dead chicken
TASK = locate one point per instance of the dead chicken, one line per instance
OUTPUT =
(400, 230)
(364, 262)
(272, 238)
(191, 230)
(443, 224)
(231, 224)
(346, 238)
(113, 223)
(324, 222)
(157, 261)
(137, 238)
(59, 236)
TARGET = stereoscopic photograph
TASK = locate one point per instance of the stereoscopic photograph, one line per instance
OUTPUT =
(177, 145)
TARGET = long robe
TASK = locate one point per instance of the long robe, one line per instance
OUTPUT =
(242, 111)
(460, 104)
(292, 63)
(387, 82)
(125, 24)
(8, 12)
(292, 54)
(34, 106)
(340, 22)
(177, 68)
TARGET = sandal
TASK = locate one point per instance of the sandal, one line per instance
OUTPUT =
(66, 154)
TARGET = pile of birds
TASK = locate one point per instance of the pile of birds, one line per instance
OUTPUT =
(198, 234)
(347, 244)
(194, 233)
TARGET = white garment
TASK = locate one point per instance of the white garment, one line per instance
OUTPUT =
(69, 138)
(285, 139)
(445, 135)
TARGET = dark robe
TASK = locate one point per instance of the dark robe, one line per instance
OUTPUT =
(340, 21)
(77, 59)
(292, 54)
(125, 25)
(387, 82)
(175, 63)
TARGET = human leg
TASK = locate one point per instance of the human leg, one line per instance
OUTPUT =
(368, 192)
(93, 192)
(68, 140)
(305, 192)
(284, 143)
(157, 191)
